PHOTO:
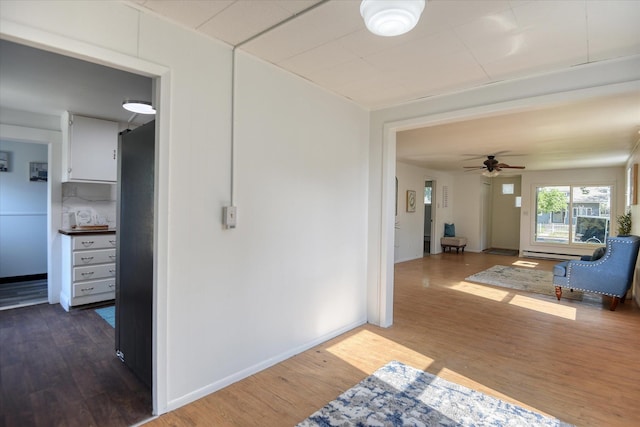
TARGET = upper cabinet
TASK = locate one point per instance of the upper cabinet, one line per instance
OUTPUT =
(89, 149)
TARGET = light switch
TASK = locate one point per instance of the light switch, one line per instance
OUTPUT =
(229, 216)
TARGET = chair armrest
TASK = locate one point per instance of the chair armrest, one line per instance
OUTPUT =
(599, 276)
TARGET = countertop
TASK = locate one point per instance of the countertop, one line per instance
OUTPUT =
(74, 231)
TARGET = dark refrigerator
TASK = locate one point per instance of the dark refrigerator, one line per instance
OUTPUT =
(134, 250)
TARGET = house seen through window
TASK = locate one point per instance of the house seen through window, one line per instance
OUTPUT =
(573, 214)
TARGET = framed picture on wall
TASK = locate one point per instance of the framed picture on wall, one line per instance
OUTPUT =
(37, 172)
(411, 201)
(4, 161)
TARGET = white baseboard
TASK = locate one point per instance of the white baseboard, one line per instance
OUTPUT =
(240, 375)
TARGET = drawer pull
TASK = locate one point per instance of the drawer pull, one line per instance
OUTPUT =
(88, 273)
(86, 258)
(112, 256)
(112, 271)
(112, 285)
(87, 243)
(113, 242)
(86, 289)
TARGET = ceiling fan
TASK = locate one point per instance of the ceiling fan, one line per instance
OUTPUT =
(492, 167)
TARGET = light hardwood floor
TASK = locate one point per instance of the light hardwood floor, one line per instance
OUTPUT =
(577, 361)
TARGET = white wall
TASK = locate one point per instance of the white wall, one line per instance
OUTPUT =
(466, 206)
(231, 302)
(409, 237)
(23, 212)
(409, 226)
(468, 200)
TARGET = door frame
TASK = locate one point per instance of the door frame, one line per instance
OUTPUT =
(56, 43)
(53, 141)
(434, 209)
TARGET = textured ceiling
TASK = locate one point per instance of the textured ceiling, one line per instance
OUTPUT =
(457, 45)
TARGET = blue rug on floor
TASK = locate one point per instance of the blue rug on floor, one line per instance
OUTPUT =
(399, 395)
(108, 314)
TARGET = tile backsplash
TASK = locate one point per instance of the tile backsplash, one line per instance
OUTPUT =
(100, 198)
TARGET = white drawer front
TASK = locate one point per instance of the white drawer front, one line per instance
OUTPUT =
(94, 287)
(94, 241)
(92, 272)
(100, 256)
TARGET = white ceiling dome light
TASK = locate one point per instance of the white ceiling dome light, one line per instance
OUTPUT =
(140, 107)
(391, 17)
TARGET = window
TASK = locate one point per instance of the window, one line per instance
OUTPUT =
(573, 214)
(427, 195)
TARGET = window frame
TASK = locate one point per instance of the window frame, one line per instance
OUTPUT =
(613, 202)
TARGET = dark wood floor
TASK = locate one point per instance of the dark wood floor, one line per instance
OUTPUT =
(60, 369)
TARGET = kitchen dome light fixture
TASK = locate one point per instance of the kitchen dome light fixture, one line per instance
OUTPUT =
(391, 17)
(140, 107)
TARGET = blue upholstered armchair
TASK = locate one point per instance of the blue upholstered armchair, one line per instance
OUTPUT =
(612, 274)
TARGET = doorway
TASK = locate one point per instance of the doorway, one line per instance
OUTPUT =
(428, 216)
(23, 223)
(103, 78)
(505, 212)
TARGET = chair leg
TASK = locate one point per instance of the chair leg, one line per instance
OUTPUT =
(614, 303)
(558, 292)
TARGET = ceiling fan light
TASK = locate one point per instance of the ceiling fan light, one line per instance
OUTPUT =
(140, 107)
(391, 17)
(491, 174)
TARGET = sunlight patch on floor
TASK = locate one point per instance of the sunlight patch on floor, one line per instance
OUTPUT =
(528, 264)
(458, 378)
(481, 291)
(546, 307)
(350, 350)
(499, 295)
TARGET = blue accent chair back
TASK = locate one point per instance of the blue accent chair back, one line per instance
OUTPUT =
(610, 275)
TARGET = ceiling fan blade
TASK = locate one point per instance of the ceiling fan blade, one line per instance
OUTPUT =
(474, 167)
(484, 156)
(504, 165)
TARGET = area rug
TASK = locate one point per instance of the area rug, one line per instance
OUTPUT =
(524, 279)
(108, 314)
(399, 395)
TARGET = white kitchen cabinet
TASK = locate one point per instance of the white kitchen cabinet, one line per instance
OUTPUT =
(89, 149)
(88, 269)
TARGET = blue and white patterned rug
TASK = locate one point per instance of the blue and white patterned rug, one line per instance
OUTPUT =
(399, 395)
